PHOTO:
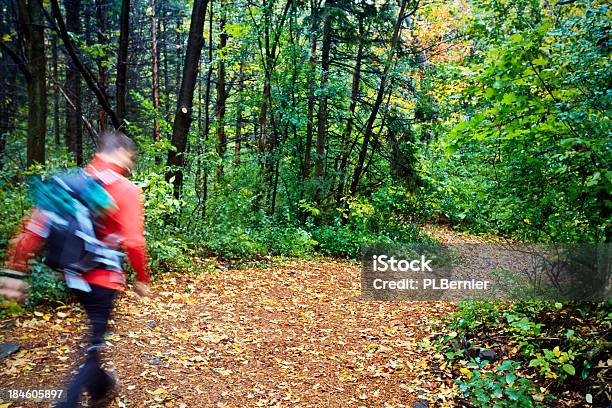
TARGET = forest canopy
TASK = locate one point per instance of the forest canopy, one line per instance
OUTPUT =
(285, 126)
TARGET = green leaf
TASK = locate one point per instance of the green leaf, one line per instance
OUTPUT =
(568, 368)
(508, 98)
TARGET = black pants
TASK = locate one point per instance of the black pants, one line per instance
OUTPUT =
(98, 305)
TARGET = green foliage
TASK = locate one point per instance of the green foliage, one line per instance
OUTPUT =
(530, 157)
(551, 344)
(500, 387)
(237, 229)
(554, 363)
(385, 217)
(10, 308)
(473, 315)
(47, 287)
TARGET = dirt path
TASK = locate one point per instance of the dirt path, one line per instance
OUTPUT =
(291, 335)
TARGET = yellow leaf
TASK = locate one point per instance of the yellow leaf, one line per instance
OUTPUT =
(465, 371)
(556, 351)
(5, 38)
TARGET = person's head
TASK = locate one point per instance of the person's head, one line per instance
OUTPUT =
(115, 147)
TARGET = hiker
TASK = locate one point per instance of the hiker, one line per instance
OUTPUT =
(121, 228)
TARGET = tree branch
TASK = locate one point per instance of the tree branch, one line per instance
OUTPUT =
(90, 129)
(60, 27)
(20, 63)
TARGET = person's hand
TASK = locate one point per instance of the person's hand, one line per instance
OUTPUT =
(141, 288)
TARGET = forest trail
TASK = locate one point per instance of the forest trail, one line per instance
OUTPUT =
(292, 334)
(296, 334)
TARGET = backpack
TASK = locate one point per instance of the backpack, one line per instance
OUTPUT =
(71, 201)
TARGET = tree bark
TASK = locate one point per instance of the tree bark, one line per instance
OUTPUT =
(31, 15)
(122, 60)
(74, 128)
(319, 170)
(183, 116)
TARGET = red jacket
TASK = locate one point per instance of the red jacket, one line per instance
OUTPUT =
(122, 228)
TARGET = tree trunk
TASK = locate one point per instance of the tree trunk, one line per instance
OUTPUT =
(8, 104)
(122, 60)
(154, 62)
(268, 133)
(319, 170)
(311, 90)
(56, 94)
(207, 107)
(33, 28)
(208, 74)
(164, 52)
(183, 116)
(74, 128)
(178, 43)
(346, 136)
(239, 115)
(102, 40)
(221, 96)
(379, 98)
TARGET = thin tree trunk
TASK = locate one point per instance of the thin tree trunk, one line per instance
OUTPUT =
(154, 62)
(56, 113)
(8, 79)
(319, 170)
(268, 135)
(178, 44)
(102, 40)
(221, 95)
(207, 107)
(74, 128)
(122, 62)
(379, 98)
(239, 115)
(33, 28)
(346, 136)
(183, 116)
(164, 52)
(311, 91)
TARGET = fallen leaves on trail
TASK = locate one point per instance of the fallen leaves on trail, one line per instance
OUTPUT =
(297, 334)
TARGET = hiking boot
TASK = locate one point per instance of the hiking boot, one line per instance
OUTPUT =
(111, 393)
